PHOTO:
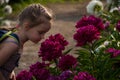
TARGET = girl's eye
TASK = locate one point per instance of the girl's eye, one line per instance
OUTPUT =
(41, 32)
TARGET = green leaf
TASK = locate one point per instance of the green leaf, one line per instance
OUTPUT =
(66, 52)
(117, 58)
(33, 77)
(82, 51)
(98, 42)
(115, 73)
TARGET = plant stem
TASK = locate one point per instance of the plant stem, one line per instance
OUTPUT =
(92, 59)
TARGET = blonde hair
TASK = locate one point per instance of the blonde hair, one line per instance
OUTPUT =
(33, 13)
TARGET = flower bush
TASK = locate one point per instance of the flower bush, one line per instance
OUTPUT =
(97, 39)
(5, 10)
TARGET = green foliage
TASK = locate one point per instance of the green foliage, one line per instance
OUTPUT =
(94, 58)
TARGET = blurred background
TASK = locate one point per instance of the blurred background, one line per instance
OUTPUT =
(66, 14)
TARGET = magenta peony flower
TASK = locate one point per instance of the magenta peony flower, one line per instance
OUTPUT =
(86, 34)
(38, 65)
(111, 50)
(39, 72)
(65, 75)
(118, 26)
(117, 53)
(114, 52)
(66, 62)
(59, 38)
(24, 75)
(106, 24)
(83, 76)
(52, 48)
(54, 78)
(90, 20)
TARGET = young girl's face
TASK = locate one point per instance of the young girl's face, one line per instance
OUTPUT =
(36, 33)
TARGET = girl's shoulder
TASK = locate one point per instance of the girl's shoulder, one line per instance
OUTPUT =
(9, 36)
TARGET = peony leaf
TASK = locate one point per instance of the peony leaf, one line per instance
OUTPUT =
(117, 58)
(98, 42)
(82, 51)
(66, 52)
(34, 78)
(115, 73)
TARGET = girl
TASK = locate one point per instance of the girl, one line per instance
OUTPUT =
(34, 22)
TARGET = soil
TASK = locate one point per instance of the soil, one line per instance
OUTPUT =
(66, 15)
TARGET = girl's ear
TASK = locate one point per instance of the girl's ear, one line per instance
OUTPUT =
(26, 25)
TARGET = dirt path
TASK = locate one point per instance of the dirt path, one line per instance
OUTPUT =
(65, 17)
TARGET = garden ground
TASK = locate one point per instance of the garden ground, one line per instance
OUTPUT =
(66, 15)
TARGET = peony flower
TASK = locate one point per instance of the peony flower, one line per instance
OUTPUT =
(118, 26)
(60, 39)
(86, 34)
(106, 24)
(114, 9)
(94, 7)
(6, 23)
(106, 43)
(7, 9)
(6, 1)
(90, 20)
(39, 72)
(114, 52)
(111, 50)
(24, 75)
(65, 75)
(38, 65)
(2, 2)
(54, 78)
(66, 62)
(84, 76)
(117, 53)
(52, 48)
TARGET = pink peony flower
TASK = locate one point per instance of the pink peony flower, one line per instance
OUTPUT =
(52, 48)
(24, 75)
(118, 26)
(86, 34)
(90, 20)
(83, 76)
(66, 62)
